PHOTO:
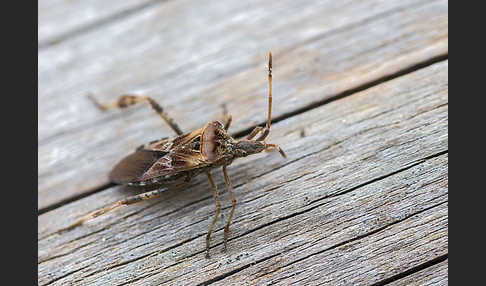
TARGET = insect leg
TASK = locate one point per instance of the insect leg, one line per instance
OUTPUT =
(254, 132)
(130, 99)
(229, 189)
(127, 201)
(227, 117)
(218, 209)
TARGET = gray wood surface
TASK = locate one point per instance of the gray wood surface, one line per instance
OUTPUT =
(361, 198)
(61, 19)
(360, 107)
(325, 50)
(434, 275)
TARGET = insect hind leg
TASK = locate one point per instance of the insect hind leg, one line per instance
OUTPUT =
(127, 201)
(127, 100)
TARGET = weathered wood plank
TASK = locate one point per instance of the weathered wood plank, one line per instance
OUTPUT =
(435, 275)
(370, 165)
(362, 262)
(325, 49)
(58, 19)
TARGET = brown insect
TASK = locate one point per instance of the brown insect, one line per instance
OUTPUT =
(185, 156)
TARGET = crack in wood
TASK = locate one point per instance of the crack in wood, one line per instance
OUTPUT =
(413, 270)
(341, 26)
(411, 165)
(65, 275)
(286, 163)
(220, 277)
(227, 274)
(365, 86)
(42, 260)
(144, 256)
(224, 275)
(96, 24)
(215, 279)
(133, 237)
(408, 165)
(246, 67)
(415, 163)
(74, 198)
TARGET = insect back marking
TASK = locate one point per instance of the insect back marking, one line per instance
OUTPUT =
(196, 144)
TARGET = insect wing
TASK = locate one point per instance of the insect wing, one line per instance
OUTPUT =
(132, 167)
(161, 158)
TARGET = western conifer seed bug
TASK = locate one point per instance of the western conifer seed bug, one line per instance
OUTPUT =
(184, 156)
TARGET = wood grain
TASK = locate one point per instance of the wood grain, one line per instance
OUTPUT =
(61, 19)
(355, 262)
(361, 198)
(434, 275)
(325, 50)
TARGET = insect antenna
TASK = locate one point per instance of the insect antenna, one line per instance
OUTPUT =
(266, 131)
(269, 119)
